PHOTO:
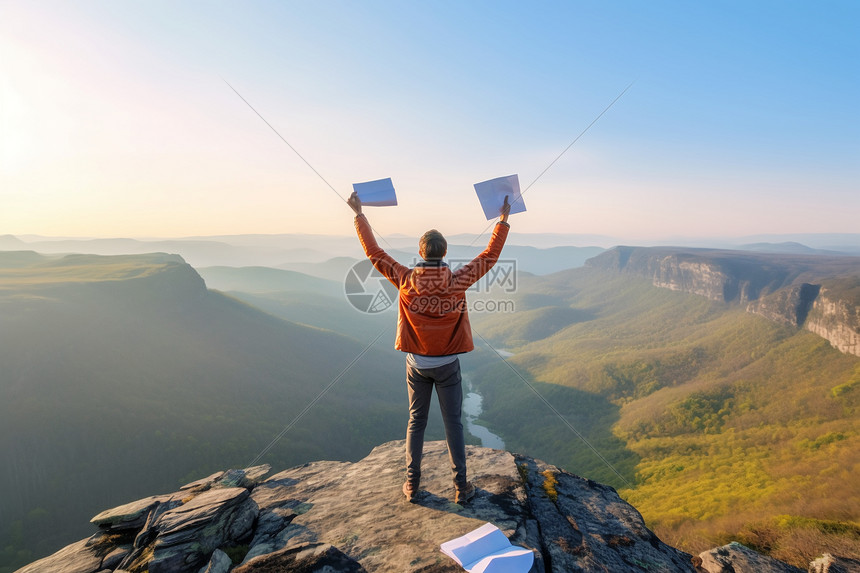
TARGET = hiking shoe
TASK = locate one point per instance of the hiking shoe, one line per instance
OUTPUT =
(464, 493)
(410, 490)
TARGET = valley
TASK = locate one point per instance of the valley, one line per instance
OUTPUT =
(721, 423)
(125, 375)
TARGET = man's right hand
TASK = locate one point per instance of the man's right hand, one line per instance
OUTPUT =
(355, 203)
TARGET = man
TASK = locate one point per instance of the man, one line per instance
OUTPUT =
(432, 329)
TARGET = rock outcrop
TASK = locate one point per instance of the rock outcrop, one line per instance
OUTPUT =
(789, 305)
(817, 292)
(725, 276)
(736, 558)
(827, 563)
(337, 516)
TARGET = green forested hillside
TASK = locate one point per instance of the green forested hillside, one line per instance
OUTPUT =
(266, 280)
(723, 425)
(298, 297)
(123, 377)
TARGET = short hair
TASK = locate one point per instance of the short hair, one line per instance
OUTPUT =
(432, 246)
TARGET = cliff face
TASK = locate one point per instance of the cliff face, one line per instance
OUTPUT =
(836, 319)
(336, 516)
(818, 293)
(725, 276)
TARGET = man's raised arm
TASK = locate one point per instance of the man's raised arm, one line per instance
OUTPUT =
(471, 273)
(384, 263)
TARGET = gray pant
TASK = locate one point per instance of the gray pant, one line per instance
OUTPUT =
(449, 389)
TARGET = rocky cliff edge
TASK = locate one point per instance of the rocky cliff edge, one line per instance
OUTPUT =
(327, 517)
(338, 516)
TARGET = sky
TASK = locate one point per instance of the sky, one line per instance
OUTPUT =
(119, 120)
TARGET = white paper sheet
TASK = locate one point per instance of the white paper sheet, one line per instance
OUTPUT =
(379, 193)
(514, 559)
(487, 550)
(492, 194)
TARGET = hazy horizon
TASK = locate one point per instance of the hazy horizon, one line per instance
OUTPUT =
(538, 240)
(117, 119)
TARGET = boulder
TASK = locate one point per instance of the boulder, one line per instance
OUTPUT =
(219, 563)
(247, 477)
(276, 510)
(131, 515)
(828, 563)
(116, 556)
(303, 558)
(586, 526)
(737, 558)
(85, 556)
(202, 484)
(188, 535)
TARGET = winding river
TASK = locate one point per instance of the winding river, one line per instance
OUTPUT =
(472, 408)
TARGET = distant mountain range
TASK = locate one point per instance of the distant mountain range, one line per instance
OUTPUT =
(793, 248)
(322, 256)
(315, 248)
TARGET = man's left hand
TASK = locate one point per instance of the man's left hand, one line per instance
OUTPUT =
(355, 203)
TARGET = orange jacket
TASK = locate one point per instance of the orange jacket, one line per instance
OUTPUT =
(432, 318)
